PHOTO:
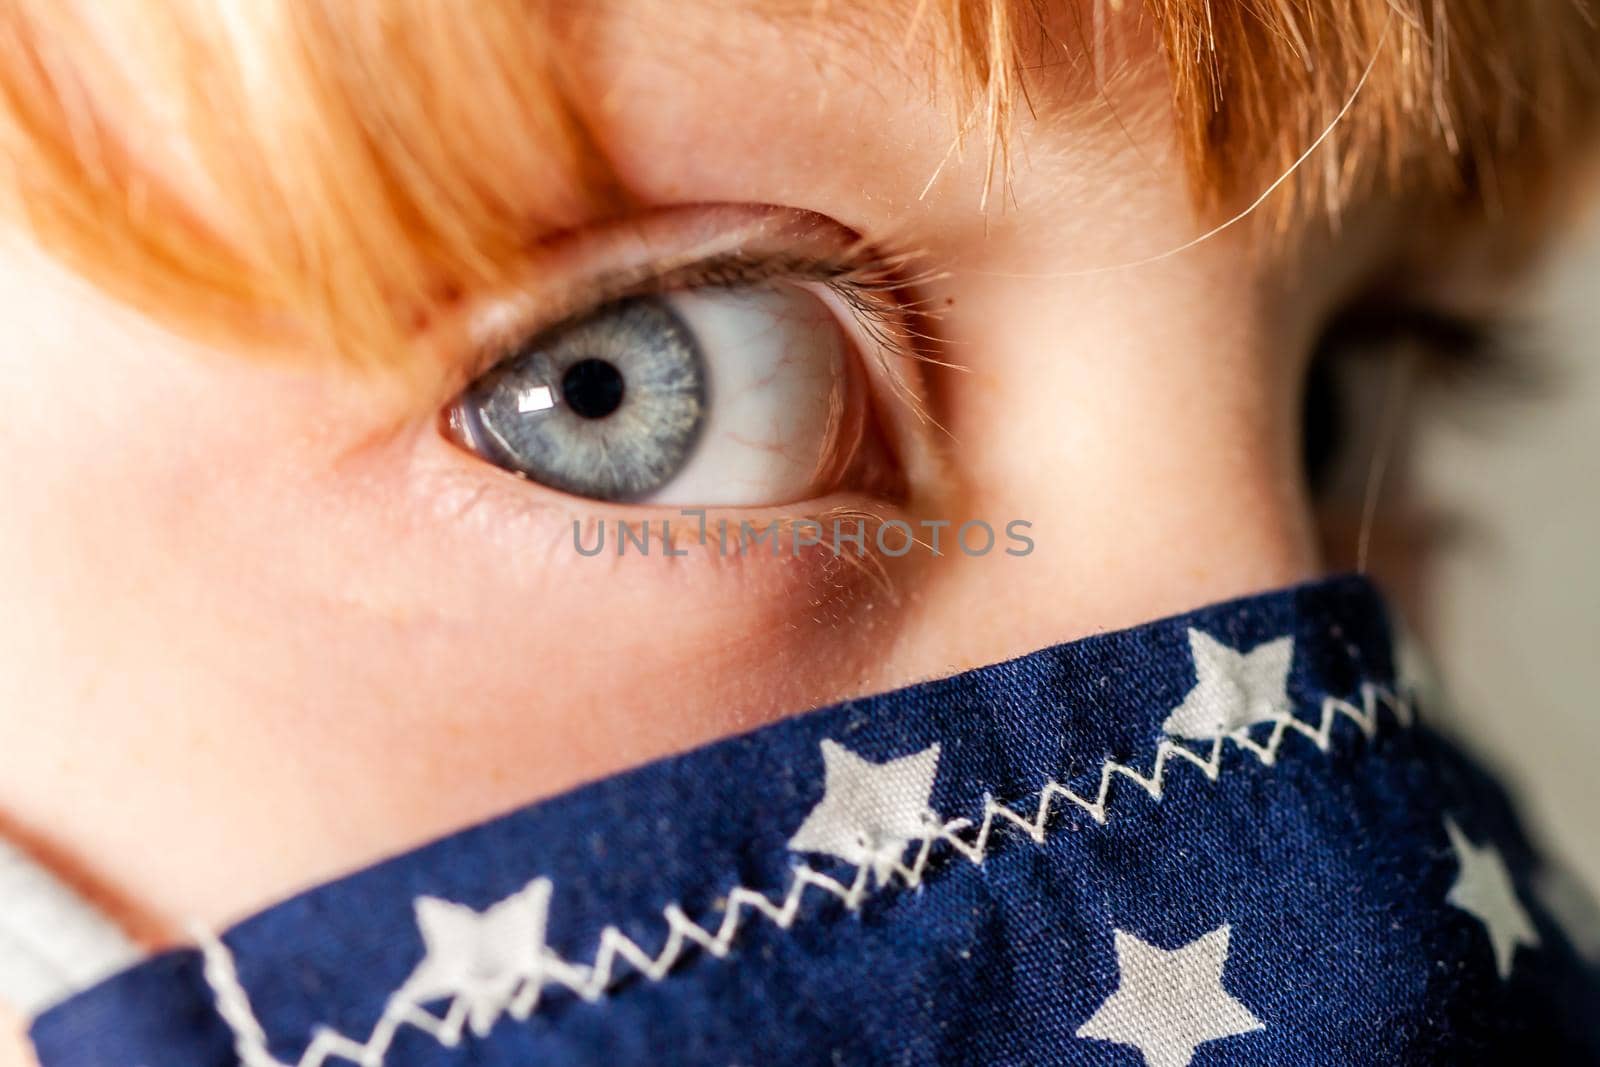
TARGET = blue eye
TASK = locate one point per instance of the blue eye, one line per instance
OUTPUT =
(718, 396)
(609, 407)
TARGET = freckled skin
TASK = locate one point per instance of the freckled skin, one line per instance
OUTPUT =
(247, 643)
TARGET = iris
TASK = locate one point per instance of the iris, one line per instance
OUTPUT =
(610, 406)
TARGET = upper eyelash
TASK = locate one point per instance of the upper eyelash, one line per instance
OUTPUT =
(874, 285)
(1458, 349)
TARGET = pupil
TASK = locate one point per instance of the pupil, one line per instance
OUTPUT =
(592, 388)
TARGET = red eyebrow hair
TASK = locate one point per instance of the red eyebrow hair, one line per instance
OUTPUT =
(330, 163)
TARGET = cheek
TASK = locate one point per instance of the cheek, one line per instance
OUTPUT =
(429, 666)
(497, 659)
(232, 631)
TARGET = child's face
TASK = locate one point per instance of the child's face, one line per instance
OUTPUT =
(278, 616)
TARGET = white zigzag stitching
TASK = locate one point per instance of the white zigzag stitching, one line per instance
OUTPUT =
(591, 982)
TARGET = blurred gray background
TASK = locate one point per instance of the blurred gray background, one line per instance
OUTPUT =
(1516, 620)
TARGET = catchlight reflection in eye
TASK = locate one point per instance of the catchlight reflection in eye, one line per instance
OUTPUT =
(704, 397)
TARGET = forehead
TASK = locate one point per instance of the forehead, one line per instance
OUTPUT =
(863, 113)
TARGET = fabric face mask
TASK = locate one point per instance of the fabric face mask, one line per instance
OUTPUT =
(1221, 838)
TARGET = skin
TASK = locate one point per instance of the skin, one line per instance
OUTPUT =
(254, 636)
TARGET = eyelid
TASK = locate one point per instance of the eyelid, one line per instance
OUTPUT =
(719, 245)
(502, 327)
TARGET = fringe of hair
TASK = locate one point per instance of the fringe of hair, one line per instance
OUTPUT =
(311, 208)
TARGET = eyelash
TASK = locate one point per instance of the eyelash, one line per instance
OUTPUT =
(1456, 350)
(1458, 353)
(875, 286)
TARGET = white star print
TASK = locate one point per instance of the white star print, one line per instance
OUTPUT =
(1167, 1004)
(870, 812)
(1483, 889)
(480, 958)
(1233, 689)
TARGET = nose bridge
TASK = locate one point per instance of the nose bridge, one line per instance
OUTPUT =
(1145, 425)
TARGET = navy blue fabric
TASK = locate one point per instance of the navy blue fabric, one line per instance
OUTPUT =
(1331, 869)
